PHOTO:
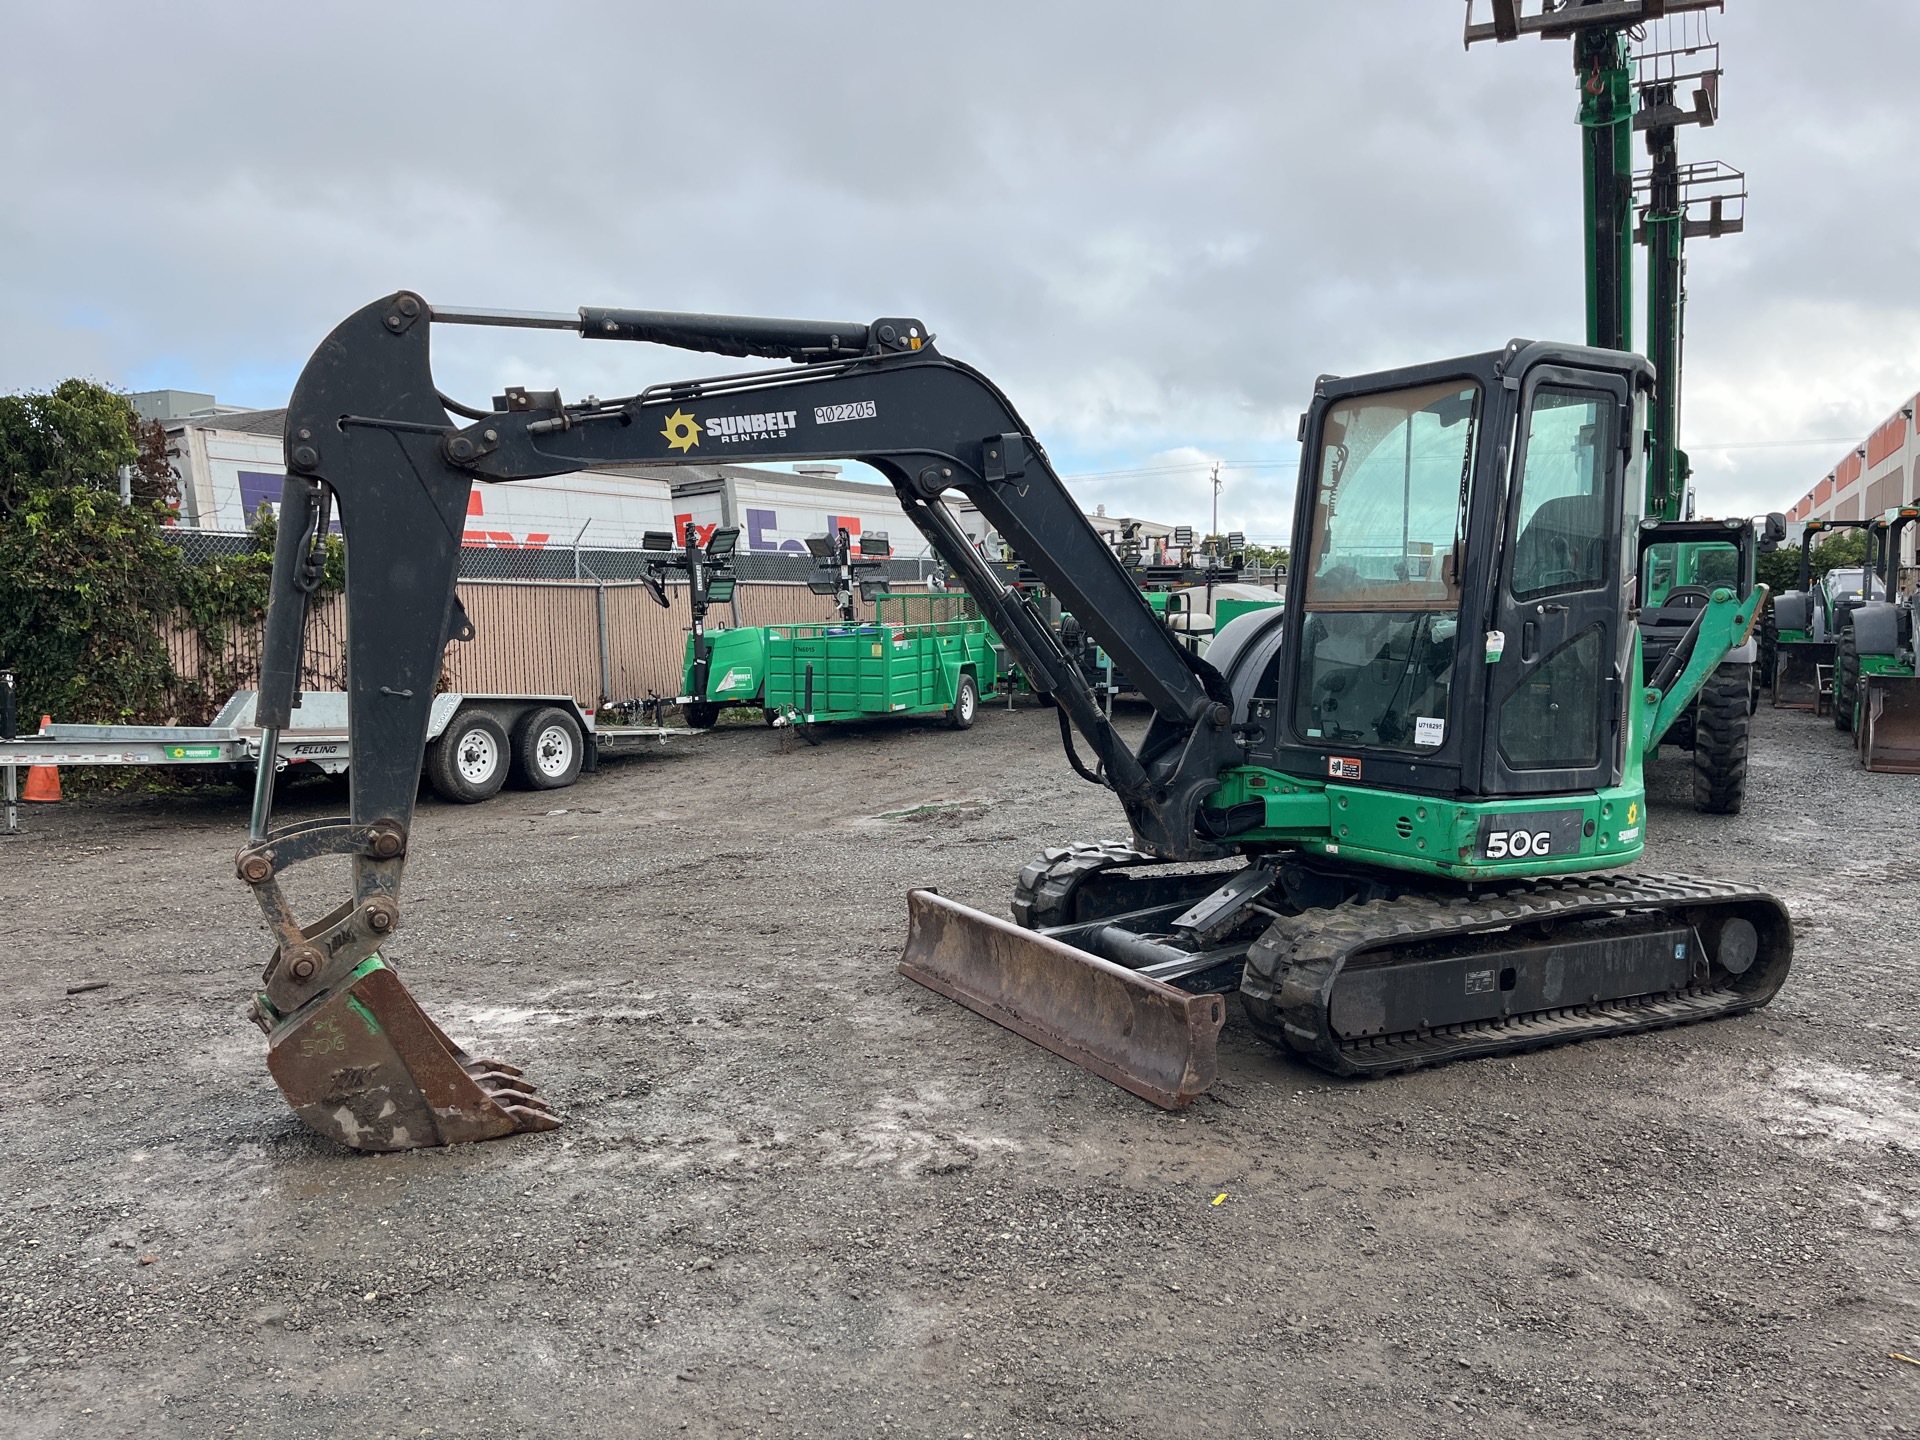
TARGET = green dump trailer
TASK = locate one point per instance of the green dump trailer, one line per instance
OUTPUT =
(920, 655)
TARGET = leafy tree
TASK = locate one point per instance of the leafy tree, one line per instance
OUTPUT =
(89, 585)
(1781, 569)
(83, 578)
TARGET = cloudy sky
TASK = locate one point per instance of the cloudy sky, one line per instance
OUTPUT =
(1153, 224)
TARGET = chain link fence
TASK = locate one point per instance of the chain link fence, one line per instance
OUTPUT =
(566, 562)
(542, 626)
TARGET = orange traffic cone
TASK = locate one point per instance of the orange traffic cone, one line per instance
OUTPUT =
(43, 781)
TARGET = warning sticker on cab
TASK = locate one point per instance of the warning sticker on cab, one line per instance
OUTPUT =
(1342, 767)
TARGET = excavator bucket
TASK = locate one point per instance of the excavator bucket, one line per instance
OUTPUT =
(1890, 724)
(1145, 1036)
(1796, 676)
(362, 1064)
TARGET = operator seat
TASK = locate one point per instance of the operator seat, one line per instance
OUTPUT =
(1562, 547)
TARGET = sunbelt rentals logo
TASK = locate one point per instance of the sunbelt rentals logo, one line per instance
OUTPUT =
(682, 432)
(738, 429)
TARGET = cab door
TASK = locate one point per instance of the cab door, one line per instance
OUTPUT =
(1556, 646)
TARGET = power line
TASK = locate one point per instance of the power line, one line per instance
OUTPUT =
(1773, 444)
(1195, 465)
(1200, 467)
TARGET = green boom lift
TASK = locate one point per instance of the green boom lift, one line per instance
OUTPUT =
(1653, 92)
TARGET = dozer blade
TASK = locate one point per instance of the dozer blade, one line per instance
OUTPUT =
(1143, 1035)
(1890, 728)
(1796, 680)
(362, 1064)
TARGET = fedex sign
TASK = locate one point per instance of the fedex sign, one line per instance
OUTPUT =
(702, 534)
(500, 539)
(763, 527)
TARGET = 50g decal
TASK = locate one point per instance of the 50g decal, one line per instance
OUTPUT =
(1530, 835)
(1502, 843)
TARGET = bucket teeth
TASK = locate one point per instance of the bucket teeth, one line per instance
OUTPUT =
(533, 1117)
(504, 1084)
(362, 1064)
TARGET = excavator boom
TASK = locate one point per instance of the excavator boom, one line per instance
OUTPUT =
(370, 435)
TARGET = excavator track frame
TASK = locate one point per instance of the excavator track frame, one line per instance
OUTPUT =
(1293, 975)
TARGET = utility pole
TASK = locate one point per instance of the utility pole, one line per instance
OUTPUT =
(1213, 535)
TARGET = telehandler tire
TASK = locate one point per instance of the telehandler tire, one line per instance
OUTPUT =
(701, 714)
(1769, 645)
(1846, 680)
(1721, 721)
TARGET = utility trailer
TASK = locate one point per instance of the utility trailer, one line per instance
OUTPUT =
(926, 654)
(476, 742)
(920, 655)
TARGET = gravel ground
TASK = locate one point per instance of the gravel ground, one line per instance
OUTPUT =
(798, 1195)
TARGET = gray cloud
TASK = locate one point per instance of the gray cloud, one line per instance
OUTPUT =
(1153, 225)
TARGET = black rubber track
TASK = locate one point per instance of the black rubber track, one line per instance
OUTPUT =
(1293, 969)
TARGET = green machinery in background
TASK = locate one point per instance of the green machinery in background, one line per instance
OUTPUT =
(1196, 600)
(920, 655)
(1654, 92)
(712, 656)
(1875, 692)
(1809, 619)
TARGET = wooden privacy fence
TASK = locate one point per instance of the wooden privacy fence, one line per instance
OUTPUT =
(596, 641)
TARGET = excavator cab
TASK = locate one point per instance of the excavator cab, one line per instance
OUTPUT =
(1457, 628)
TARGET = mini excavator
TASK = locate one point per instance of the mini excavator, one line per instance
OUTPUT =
(1394, 814)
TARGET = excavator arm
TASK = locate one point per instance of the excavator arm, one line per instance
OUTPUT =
(370, 435)
(367, 422)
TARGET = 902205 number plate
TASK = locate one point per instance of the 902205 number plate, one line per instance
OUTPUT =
(1531, 835)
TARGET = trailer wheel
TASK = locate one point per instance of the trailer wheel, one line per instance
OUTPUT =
(701, 714)
(468, 763)
(547, 750)
(1720, 734)
(966, 704)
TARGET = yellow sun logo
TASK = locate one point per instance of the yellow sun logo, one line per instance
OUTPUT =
(682, 432)
(1633, 812)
